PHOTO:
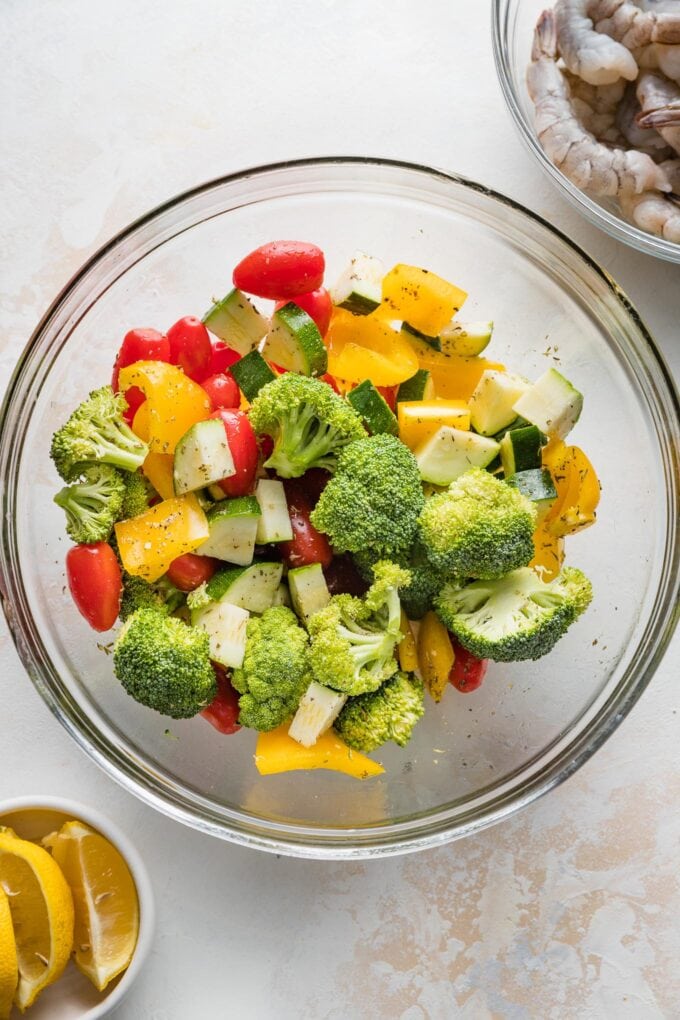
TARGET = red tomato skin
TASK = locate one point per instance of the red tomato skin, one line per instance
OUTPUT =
(190, 570)
(389, 395)
(222, 390)
(95, 582)
(467, 672)
(190, 347)
(140, 345)
(281, 270)
(135, 398)
(222, 712)
(244, 450)
(307, 545)
(222, 356)
(313, 482)
(317, 304)
(342, 576)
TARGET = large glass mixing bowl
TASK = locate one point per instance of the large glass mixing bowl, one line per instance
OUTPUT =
(475, 758)
(513, 24)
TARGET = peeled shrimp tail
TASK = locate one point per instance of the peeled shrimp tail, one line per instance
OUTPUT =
(585, 161)
(593, 56)
(659, 101)
(654, 213)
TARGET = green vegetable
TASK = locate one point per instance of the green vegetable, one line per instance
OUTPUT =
(309, 423)
(373, 409)
(390, 713)
(97, 432)
(480, 527)
(275, 671)
(138, 493)
(417, 596)
(374, 499)
(515, 617)
(139, 594)
(353, 639)
(93, 503)
(164, 664)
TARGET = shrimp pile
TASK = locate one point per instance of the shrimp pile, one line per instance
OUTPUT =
(604, 78)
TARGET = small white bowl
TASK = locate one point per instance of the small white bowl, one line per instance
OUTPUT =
(73, 997)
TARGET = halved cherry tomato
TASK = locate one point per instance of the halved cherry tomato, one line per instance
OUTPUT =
(222, 390)
(467, 671)
(389, 395)
(244, 451)
(313, 483)
(317, 304)
(95, 582)
(222, 713)
(190, 347)
(343, 577)
(307, 545)
(328, 378)
(138, 345)
(281, 269)
(222, 356)
(188, 571)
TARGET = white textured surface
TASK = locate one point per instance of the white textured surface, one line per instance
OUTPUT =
(569, 910)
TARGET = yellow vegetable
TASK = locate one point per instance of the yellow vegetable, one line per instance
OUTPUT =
(421, 298)
(435, 654)
(140, 422)
(158, 468)
(364, 347)
(277, 752)
(454, 377)
(548, 552)
(150, 542)
(9, 965)
(578, 489)
(406, 649)
(420, 419)
(174, 402)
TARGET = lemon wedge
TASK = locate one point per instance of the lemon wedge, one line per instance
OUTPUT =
(9, 968)
(41, 908)
(105, 899)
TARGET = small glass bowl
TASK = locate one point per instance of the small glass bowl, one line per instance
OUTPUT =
(513, 23)
(474, 758)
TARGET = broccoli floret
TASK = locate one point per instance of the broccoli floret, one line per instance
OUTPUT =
(137, 594)
(515, 617)
(275, 671)
(138, 493)
(390, 713)
(97, 432)
(416, 597)
(374, 499)
(353, 639)
(309, 423)
(480, 527)
(164, 664)
(93, 503)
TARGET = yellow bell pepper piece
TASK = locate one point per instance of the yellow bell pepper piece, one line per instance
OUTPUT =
(140, 422)
(158, 468)
(277, 752)
(548, 553)
(435, 654)
(363, 347)
(420, 419)
(175, 402)
(421, 298)
(150, 542)
(406, 649)
(578, 489)
(454, 377)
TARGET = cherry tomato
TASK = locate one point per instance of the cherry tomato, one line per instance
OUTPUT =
(138, 345)
(222, 356)
(313, 483)
(243, 446)
(95, 582)
(189, 570)
(222, 390)
(389, 395)
(328, 378)
(222, 713)
(342, 576)
(190, 347)
(467, 671)
(266, 446)
(317, 304)
(307, 545)
(281, 269)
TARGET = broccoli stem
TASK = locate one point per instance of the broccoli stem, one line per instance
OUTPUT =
(303, 440)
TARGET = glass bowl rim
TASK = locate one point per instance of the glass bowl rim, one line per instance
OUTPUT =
(616, 226)
(396, 837)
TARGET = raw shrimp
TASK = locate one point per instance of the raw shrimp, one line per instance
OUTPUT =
(644, 139)
(655, 213)
(671, 168)
(596, 58)
(596, 106)
(632, 27)
(586, 162)
(659, 100)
